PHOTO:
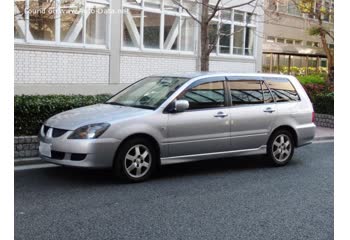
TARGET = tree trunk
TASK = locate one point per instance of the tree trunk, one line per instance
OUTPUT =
(205, 37)
(330, 57)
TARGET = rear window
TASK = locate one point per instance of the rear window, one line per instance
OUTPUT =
(282, 90)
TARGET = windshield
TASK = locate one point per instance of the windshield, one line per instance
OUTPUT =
(148, 93)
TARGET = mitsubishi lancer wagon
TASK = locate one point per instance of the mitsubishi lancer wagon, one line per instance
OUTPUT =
(183, 117)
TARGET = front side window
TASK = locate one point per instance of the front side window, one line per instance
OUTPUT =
(282, 90)
(205, 95)
(148, 93)
(246, 92)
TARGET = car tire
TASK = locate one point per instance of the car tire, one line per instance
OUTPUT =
(280, 147)
(136, 160)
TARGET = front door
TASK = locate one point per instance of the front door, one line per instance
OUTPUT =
(205, 126)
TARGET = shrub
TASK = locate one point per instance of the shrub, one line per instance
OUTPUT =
(313, 89)
(317, 79)
(31, 111)
(323, 103)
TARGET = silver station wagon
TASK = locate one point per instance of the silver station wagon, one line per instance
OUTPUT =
(178, 118)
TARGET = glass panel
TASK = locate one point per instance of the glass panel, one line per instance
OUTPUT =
(250, 18)
(19, 18)
(280, 40)
(298, 42)
(225, 36)
(169, 5)
(246, 92)
(206, 95)
(42, 19)
(153, 3)
(148, 93)
(238, 16)
(72, 21)
(238, 36)
(226, 15)
(151, 30)
(270, 39)
(131, 28)
(267, 94)
(289, 41)
(309, 44)
(293, 8)
(282, 90)
(171, 32)
(96, 24)
(282, 6)
(187, 34)
(134, 2)
(249, 41)
(213, 31)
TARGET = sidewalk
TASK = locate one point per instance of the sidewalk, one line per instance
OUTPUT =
(322, 133)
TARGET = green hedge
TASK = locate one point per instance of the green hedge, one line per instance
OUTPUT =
(323, 103)
(316, 79)
(31, 111)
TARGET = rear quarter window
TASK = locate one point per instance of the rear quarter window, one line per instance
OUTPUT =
(282, 90)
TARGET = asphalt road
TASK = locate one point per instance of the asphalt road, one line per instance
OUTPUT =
(241, 198)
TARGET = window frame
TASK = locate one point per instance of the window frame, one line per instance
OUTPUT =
(200, 82)
(57, 41)
(265, 79)
(181, 14)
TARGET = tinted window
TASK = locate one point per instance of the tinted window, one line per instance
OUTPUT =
(267, 94)
(246, 92)
(282, 90)
(206, 95)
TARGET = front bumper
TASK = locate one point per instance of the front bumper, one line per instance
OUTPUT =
(97, 153)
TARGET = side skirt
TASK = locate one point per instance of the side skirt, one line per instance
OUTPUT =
(204, 156)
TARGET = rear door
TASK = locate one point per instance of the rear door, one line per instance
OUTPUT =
(253, 112)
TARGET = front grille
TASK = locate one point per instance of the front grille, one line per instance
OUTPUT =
(56, 132)
(57, 155)
(77, 157)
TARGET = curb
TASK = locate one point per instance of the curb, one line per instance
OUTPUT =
(28, 161)
(37, 160)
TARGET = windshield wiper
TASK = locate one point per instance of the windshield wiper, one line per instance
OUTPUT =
(115, 103)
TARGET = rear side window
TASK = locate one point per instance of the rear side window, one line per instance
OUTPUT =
(282, 90)
(205, 95)
(246, 92)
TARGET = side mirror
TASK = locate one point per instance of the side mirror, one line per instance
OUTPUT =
(181, 105)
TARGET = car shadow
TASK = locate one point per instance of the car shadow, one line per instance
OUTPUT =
(56, 176)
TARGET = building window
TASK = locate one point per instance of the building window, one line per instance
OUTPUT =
(157, 25)
(280, 40)
(270, 39)
(62, 22)
(298, 42)
(289, 41)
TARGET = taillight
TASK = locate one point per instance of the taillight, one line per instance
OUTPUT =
(313, 117)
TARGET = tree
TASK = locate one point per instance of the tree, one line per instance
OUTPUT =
(208, 10)
(315, 10)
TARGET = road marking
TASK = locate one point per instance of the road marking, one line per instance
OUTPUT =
(34, 166)
(323, 141)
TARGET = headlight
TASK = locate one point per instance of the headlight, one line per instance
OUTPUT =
(89, 131)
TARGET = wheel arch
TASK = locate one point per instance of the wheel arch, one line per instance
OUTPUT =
(288, 128)
(149, 137)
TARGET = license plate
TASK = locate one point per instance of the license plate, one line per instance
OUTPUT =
(45, 149)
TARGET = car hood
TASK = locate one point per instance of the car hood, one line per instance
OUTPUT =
(99, 113)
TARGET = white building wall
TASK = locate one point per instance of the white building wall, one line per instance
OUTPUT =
(40, 67)
(136, 66)
(237, 66)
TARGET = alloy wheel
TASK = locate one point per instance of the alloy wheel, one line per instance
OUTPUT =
(138, 161)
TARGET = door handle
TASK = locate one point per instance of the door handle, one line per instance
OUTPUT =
(221, 115)
(269, 110)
